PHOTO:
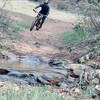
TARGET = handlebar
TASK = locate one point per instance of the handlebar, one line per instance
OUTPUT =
(35, 11)
(39, 13)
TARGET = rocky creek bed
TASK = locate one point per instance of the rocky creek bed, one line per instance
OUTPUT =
(41, 71)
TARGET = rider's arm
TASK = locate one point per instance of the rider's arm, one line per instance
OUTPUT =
(48, 12)
(38, 6)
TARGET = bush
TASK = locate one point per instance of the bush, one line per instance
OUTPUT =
(96, 48)
(78, 34)
(62, 6)
(93, 20)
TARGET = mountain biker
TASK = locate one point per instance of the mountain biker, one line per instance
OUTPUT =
(45, 9)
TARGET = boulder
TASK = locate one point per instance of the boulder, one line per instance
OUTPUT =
(3, 71)
(55, 63)
(86, 57)
(15, 74)
(79, 68)
(52, 78)
(31, 60)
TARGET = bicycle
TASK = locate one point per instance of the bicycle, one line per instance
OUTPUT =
(38, 21)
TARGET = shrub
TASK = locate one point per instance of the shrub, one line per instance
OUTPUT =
(92, 19)
(79, 33)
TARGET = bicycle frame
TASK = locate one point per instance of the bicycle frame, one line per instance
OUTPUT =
(38, 20)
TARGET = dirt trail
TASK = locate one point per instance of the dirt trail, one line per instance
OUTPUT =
(45, 42)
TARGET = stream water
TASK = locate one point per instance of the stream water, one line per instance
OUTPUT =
(32, 69)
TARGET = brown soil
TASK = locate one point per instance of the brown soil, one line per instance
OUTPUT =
(47, 41)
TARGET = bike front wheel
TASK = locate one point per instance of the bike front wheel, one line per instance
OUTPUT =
(39, 24)
(32, 26)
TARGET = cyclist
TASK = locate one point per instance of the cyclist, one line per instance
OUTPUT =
(45, 9)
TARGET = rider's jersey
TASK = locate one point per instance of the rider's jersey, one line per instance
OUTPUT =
(44, 9)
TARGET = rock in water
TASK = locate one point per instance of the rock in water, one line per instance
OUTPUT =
(31, 60)
(15, 74)
(52, 78)
(3, 71)
(54, 63)
(11, 58)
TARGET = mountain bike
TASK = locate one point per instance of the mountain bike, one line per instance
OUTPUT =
(38, 21)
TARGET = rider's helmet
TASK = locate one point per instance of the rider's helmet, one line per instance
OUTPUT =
(46, 2)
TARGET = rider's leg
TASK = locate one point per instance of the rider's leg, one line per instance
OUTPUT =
(43, 20)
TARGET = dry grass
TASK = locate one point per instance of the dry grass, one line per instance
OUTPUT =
(10, 91)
